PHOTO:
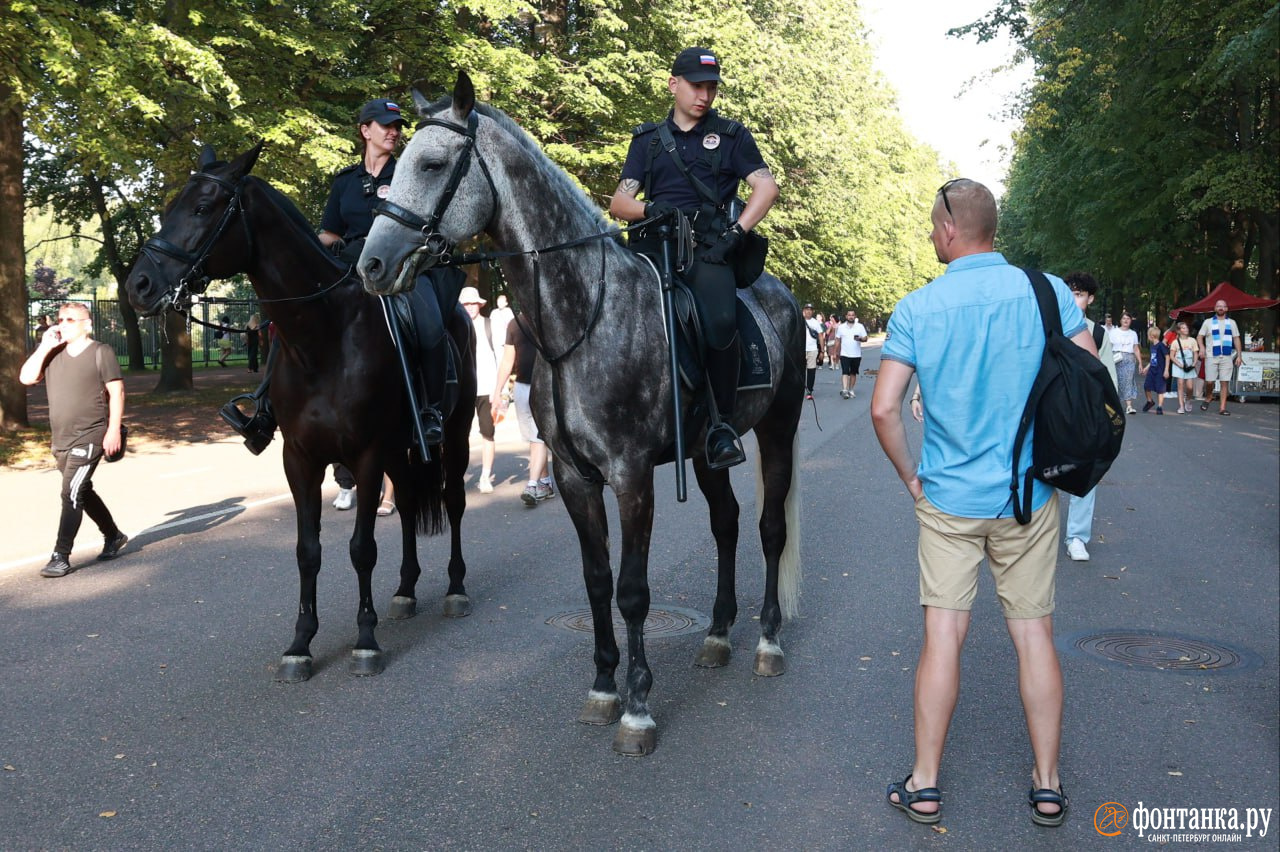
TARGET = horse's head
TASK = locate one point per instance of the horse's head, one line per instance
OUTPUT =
(437, 199)
(198, 239)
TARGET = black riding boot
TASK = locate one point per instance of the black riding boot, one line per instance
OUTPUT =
(259, 428)
(445, 284)
(724, 449)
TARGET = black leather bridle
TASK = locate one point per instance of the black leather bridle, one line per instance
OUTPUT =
(436, 244)
(196, 279)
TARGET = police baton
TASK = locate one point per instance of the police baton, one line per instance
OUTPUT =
(668, 303)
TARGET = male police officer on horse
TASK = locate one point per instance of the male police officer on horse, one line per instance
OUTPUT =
(693, 162)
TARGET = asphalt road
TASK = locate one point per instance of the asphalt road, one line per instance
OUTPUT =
(138, 709)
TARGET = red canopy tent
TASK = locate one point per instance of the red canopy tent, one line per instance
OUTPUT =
(1236, 300)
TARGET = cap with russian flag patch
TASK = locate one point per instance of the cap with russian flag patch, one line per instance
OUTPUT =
(697, 65)
(382, 111)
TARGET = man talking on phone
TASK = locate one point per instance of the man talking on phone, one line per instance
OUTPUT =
(86, 405)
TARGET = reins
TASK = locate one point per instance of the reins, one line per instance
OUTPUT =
(182, 296)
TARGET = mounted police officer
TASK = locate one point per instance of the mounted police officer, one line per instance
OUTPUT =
(347, 220)
(693, 162)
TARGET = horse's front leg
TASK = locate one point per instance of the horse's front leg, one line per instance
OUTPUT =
(637, 734)
(304, 482)
(366, 656)
(585, 502)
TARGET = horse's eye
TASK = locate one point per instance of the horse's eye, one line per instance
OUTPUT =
(202, 210)
(432, 165)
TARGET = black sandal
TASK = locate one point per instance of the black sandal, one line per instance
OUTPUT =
(907, 798)
(1045, 796)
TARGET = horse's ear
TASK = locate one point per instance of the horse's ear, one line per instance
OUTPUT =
(420, 102)
(207, 157)
(464, 97)
(243, 164)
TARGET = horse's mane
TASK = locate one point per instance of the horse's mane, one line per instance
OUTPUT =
(558, 176)
(289, 209)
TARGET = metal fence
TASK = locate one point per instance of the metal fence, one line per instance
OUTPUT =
(108, 327)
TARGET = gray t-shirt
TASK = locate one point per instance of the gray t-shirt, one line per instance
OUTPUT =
(78, 409)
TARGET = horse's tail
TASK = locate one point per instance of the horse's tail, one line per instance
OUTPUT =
(789, 559)
(427, 481)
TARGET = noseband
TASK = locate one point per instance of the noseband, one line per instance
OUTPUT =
(436, 244)
(195, 280)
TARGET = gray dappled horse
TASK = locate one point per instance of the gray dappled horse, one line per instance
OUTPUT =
(601, 394)
(335, 385)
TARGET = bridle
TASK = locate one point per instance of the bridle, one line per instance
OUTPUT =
(435, 244)
(196, 279)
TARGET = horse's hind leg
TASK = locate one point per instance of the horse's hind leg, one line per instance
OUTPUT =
(404, 603)
(304, 482)
(723, 507)
(779, 528)
(456, 455)
(585, 502)
(366, 656)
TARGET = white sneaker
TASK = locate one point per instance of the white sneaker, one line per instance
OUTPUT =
(345, 500)
(486, 484)
(1076, 550)
(852, 395)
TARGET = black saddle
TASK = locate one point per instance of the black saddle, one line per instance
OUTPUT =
(754, 371)
(408, 311)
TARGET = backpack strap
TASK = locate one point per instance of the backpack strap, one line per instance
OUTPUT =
(1052, 324)
(1098, 332)
(651, 154)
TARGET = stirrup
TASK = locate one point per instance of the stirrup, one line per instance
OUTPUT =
(734, 455)
(432, 426)
(258, 430)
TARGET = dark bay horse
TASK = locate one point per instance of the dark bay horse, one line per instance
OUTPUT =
(601, 395)
(336, 384)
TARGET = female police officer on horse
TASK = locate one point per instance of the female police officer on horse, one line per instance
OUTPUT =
(347, 219)
(693, 161)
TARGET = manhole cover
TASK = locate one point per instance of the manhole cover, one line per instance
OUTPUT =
(1162, 651)
(666, 621)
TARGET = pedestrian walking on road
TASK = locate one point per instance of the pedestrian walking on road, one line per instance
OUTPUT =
(486, 357)
(961, 485)
(86, 407)
(851, 334)
(1220, 346)
(1154, 371)
(1181, 366)
(1080, 509)
(1124, 343)
(518, 355)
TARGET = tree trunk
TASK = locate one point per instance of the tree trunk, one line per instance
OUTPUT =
(175, 355)
(13, 278)
(111, 248)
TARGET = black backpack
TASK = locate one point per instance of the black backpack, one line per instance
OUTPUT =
(1076, 410)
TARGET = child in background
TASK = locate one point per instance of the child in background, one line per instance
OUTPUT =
(1153, 386)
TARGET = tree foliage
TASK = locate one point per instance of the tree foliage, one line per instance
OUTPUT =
(117, 96)
(1151, 148)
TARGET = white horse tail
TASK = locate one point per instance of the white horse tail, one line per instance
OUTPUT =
(789, 560)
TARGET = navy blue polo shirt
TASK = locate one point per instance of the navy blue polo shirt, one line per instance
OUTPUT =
(349, 211)
(739, 157)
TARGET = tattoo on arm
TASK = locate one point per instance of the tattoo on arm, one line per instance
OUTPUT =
(759, 174)
(630, 187)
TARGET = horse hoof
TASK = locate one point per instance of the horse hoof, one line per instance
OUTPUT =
(602, 708)
(365, 662)
(402, 608)
(714, 653)
(293, 669)
(457, 606)
(769, 659)
(636, 739)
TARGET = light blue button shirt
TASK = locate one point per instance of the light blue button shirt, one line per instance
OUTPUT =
(974, 338)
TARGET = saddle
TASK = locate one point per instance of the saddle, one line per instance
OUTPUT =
(407, 309)
(754, 371)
